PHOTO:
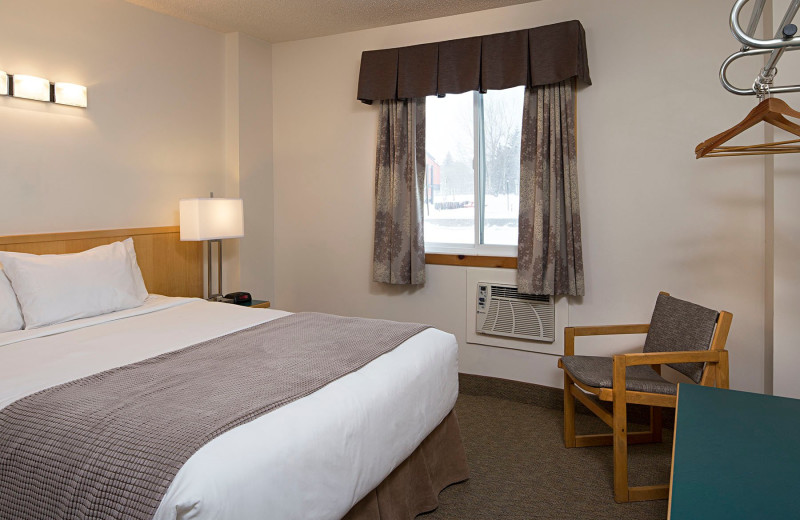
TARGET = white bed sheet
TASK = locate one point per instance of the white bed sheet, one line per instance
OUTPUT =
(311, 459)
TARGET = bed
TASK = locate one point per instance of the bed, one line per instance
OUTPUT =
(356, 448)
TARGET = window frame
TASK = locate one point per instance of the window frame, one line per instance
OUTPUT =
(477, 248)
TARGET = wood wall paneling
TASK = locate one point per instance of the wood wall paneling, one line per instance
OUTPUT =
(169, 266)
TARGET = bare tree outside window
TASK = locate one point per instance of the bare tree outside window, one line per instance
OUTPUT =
(502, 130)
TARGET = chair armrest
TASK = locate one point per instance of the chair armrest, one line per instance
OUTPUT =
(607, 330)
(661, 358)
(599, 330)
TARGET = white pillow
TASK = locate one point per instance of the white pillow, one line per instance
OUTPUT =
(10, 314)
(141, 290)
(57, 288)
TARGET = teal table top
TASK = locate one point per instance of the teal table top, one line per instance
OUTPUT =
(252, 303)
(736, 455)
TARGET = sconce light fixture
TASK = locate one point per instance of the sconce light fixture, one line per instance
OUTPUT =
(41, 89)
(31, 87)
(69, 94)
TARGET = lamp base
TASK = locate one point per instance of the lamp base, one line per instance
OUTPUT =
(215, 297)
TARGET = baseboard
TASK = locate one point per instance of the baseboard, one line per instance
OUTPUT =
(545, 397)
(517, 391)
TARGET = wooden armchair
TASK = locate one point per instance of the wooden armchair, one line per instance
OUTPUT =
(685, 336)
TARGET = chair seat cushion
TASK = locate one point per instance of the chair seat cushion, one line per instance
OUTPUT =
(598, 372)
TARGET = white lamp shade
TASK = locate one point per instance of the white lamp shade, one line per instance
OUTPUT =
(31, 87)
(70, 94)
(211, 219)
(3, 83)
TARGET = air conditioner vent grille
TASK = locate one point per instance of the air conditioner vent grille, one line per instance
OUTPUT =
(504, 291)
(505, 312)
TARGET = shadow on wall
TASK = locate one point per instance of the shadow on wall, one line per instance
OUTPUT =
(785, 226)
(52, 109)
(694, 254)
(790, 247)
(386, 289)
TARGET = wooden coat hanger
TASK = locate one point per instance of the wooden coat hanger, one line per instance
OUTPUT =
(771, 110)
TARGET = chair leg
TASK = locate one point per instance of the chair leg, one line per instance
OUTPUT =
(620, 421)
(569, 413)
(656, 423)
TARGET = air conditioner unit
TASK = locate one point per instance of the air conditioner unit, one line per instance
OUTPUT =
(503, 311)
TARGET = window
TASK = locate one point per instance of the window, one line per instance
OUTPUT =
(472, 172)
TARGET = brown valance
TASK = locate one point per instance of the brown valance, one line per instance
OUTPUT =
(532, 57)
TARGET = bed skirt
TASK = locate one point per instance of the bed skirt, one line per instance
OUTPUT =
(413, 487)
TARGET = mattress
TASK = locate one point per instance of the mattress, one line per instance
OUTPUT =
(314, 458)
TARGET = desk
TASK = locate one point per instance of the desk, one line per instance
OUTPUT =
(735, 455)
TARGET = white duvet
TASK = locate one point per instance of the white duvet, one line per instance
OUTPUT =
(311, 459)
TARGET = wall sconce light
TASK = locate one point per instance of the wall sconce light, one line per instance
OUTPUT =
(41, 89)
(31, 87)
(69, 94)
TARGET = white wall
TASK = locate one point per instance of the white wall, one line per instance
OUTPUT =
(249, 157)
(255, 163)
(163, 123)
(654, 218)
(153, 131)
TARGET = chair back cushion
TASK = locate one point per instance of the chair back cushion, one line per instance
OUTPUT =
(678, 325)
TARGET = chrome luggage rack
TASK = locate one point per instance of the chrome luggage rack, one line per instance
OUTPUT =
(785, 40)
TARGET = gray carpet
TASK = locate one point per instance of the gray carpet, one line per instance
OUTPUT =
(521, 470)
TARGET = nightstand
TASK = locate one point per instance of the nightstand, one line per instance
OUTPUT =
(256, 304)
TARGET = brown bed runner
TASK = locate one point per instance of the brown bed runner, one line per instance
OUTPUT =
(109, 445)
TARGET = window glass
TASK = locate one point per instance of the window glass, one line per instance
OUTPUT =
(502, 131)
(449, 173)
(473, 140)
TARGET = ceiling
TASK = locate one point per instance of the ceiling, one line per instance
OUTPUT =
(285, 20)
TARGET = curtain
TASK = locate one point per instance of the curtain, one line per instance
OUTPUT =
(531, 57)
(399, 250)
(550, 258)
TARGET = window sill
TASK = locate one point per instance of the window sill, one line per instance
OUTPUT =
(503, 262)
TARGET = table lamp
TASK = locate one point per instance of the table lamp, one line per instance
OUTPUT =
(212, 219)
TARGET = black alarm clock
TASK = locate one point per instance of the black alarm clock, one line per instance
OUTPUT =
(239, 298)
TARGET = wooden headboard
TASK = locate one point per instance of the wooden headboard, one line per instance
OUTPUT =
(169, 266)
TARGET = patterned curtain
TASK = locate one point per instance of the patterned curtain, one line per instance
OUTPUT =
(399, 256)
(550, 258)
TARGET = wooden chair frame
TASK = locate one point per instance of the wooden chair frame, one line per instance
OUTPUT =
(715, 373)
